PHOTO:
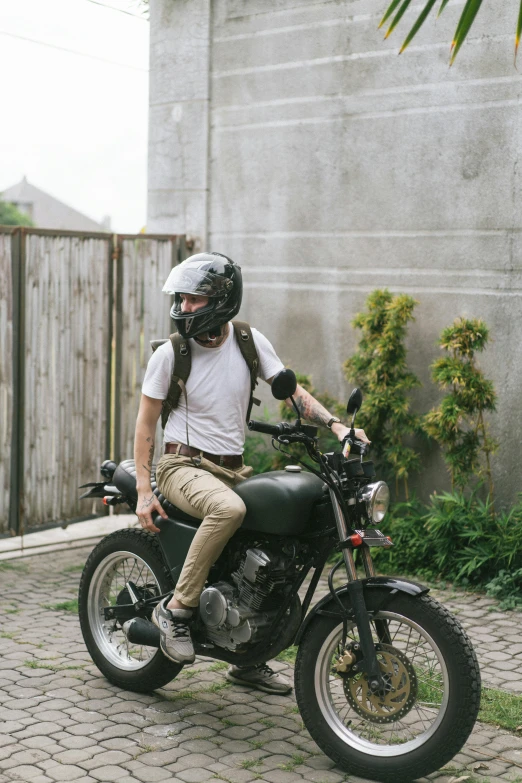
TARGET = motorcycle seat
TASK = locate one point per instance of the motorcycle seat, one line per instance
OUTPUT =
(125, 480)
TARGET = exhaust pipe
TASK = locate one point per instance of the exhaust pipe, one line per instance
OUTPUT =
(140, 631)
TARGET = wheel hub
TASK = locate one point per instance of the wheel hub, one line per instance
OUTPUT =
(397, 697)
(124, 599)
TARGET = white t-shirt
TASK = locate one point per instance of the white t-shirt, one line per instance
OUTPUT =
(218, 391)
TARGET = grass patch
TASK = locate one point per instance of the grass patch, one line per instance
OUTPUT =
(12, 611)
(180, 695)
(267, 722)
(5, 565)
(187, 674)
(5, 635)
(73, 569)
(500, 708)
(256, 744)
(296, 760)
(216, 687)
(228, 722)
(219, 666)
(288, 655)
(50, 666)
(64, 606)
(249, 763)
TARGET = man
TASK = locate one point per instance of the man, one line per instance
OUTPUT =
(204, 439)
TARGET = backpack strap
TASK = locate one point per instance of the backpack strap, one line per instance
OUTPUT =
(155, 344)
(248, 349)
(181, 372)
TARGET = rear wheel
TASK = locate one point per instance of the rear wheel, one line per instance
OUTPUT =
(432, 693)
(122, 557)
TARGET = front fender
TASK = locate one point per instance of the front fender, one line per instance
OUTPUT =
(391, 584)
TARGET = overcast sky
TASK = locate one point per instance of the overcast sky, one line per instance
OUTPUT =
(73, 125)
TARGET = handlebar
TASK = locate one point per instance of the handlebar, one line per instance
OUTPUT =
(267, 429)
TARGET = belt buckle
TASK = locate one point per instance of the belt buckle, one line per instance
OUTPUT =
(221, 461)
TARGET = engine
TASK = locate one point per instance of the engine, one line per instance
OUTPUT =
(237, 613)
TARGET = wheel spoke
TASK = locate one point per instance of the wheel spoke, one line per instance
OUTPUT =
(107, 585)
(416, 688)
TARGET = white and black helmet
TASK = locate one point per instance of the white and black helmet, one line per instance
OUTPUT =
(205, 274)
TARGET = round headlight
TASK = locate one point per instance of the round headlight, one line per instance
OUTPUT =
(377, 499)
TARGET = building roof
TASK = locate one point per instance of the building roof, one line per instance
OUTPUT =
(46, 211)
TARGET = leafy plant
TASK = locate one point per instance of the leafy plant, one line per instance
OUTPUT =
(379, 368)
(455, 537)
(11, 216)
(257, 453)
(397, 8)
(506, 587)
(458, 423)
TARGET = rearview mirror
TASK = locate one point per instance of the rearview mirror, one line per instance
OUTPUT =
(284, 384)
(355, 402)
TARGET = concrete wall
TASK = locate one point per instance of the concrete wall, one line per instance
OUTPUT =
(288, 135)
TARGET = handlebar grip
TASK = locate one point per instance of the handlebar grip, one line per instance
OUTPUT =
(263, 426)
(363, 447)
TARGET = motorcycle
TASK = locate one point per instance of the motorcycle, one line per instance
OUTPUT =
(386, 680)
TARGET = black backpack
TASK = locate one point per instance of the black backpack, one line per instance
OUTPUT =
(183, 362)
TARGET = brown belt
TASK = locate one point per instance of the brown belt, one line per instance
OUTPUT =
(232, 461)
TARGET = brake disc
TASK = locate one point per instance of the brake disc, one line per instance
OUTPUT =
(400, 688)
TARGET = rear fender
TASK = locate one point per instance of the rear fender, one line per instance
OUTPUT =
(329, 606)
(99, 490)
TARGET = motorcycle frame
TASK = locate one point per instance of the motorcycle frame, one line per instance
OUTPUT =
(354, 588)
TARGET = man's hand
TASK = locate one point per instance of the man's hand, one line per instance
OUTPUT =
(340, 431)
(147, 505)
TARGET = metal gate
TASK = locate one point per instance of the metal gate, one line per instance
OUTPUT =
(76, 313)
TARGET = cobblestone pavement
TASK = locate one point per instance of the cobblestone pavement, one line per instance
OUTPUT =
(61, 721)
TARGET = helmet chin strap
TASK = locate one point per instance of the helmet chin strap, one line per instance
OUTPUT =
(212, 336)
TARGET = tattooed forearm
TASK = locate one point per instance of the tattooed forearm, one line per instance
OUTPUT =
(309, 408)
(151, 453)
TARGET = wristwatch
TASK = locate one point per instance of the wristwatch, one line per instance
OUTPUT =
(333, 420)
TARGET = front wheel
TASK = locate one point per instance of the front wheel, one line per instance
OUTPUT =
(431, 698)
(122, 557)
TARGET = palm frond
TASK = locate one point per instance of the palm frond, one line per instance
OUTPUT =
(418, 24)
(467, 19)
(467, 5)
(442, 7)
(397, 18)
(519, 30)
(389, 11)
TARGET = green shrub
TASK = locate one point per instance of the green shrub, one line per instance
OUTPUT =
(258, 450)
(258, 453)
(458, 423)
(379, 368)
(454, 537)
(506, 587)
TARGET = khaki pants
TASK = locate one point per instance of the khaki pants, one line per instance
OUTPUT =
(203, 492)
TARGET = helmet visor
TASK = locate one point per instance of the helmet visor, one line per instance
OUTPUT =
(191, 279)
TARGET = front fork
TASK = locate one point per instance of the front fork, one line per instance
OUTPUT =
(369, 663)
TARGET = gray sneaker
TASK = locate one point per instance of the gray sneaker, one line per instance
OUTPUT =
(173, 624)
(261, 677)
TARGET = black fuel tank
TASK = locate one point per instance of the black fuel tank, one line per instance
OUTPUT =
(280, 502)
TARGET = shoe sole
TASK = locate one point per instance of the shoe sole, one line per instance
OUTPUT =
(265, 688)
(166, 654)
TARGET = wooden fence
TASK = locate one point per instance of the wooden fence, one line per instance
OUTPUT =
(6, 372)
(76, 313)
